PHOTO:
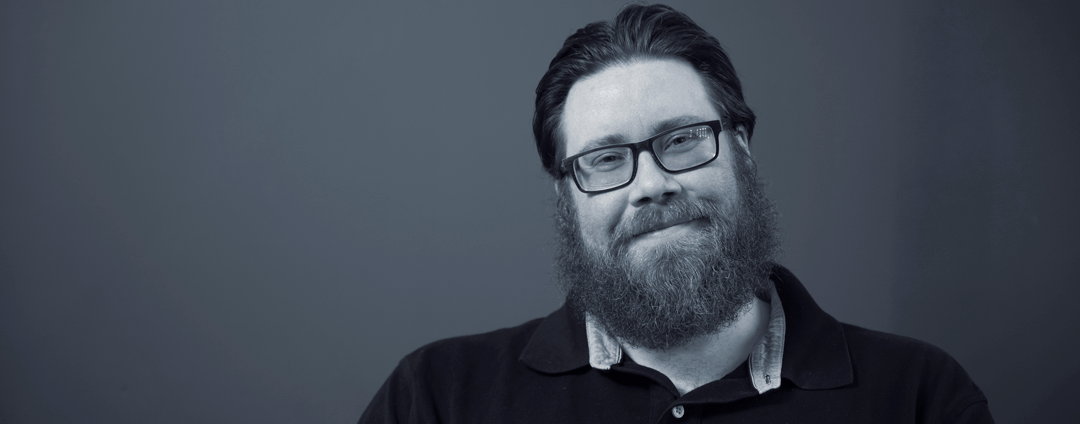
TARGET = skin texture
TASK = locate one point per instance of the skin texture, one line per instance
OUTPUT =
(629, 101)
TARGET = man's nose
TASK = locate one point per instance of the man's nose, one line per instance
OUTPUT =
(652, 183)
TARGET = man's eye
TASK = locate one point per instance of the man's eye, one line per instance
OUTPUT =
(681, 143)
(677, 140)
(607, 161)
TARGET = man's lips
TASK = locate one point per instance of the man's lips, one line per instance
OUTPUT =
(665, 225)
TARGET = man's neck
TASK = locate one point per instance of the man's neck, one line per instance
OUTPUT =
(711, 357)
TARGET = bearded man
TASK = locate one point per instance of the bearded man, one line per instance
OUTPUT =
(676, 309)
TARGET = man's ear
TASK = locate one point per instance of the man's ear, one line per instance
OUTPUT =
(742, 138)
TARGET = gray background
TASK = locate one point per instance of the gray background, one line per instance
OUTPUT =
(239, 211)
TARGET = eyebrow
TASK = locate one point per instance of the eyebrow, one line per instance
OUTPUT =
(665, 125)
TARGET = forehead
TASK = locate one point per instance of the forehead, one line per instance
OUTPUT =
(627, 102)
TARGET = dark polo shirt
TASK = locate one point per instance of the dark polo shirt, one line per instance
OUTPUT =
(539, 372)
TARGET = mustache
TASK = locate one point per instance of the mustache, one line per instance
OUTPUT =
(656, 216)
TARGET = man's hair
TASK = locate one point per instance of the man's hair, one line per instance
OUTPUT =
(638, 32)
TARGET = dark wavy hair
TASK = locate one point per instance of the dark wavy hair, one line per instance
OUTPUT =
(637, 32)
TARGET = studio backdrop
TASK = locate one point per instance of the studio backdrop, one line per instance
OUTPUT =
(249, 211)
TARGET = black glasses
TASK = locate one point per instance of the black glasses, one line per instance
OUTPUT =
(613, 167)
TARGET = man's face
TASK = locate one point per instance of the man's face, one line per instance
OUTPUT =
(669, 257)
(630, 103)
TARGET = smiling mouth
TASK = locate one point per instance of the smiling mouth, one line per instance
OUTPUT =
(665, 226)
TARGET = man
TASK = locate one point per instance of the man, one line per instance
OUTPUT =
(675, 307)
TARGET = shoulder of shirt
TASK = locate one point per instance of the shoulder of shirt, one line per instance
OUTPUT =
(925, 370)
(502, 345)
(885, 351)
(863, 341)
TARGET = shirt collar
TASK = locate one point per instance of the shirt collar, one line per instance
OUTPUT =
(811, 348)
(765, 359)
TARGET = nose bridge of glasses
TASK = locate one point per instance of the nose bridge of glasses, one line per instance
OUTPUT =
(649, 165)
(651, 181)
(648, 146)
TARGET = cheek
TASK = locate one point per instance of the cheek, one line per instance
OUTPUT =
(715, 182)
(597, 217)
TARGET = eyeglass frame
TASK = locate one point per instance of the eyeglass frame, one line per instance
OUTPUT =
(567, 166)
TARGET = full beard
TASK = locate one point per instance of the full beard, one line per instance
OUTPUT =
(690, 287)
